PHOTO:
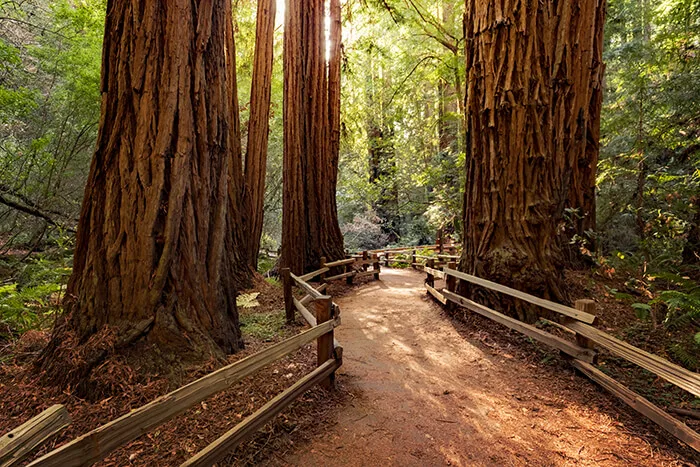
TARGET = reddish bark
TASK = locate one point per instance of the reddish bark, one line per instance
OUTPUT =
(259, 126)
(310, 221)
(158, 252)
(529, 98)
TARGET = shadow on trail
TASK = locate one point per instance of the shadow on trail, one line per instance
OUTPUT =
(428, 395)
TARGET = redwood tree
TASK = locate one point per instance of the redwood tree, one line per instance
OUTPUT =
(530, 114)
(259, 126)
(311, 135)
(157, 256)
(581, 76)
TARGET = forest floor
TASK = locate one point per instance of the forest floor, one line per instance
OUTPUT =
(430, 389)
(418, 387)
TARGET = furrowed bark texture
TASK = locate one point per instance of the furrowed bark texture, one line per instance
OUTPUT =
(528, 110)
(158, 252)
(310, 221)
(582, 70)
(259, 127)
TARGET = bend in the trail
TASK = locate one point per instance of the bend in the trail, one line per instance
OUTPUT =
(429, 396)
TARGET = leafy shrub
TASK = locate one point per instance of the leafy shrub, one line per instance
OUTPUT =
(364, 232)
(30, 300)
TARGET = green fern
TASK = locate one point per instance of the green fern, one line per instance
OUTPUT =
(688, 357)
(683, 306)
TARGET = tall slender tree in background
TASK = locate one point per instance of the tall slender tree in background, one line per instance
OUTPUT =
(259, 126)
(156, 259)
(310, 221)
(528, 116)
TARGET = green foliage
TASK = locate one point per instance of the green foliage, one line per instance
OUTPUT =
(682, 304)
(50, 61)
(265, 263)
(27, 308)
(649, 170)
(402, 158)
(642, 310)
(263, 326)
(686, 353)
(274, 281)
(30, 299)
(248, 300)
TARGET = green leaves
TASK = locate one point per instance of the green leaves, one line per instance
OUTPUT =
(248, 300)
(642, 310)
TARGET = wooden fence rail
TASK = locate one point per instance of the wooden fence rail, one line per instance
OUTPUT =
(20, 442)
(227, 442)
(98, 443)
(581, 354)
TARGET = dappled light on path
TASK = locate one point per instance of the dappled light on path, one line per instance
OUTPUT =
(426, 395)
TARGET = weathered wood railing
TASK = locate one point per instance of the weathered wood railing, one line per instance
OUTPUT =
(20, 442)
(355, 265)
(581, 353)
(98, 443)
(412, 257)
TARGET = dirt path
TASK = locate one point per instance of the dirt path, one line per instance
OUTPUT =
(427, 396)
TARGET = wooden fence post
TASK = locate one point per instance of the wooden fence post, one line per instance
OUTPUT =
(440, 241)
(288, 296)
(588, 306)
(375, 265)
(451, 282)
(413, 258)
(430, 280)
(324, 307)
(365, 257)
(322, 276)
(348, 269)
(386, 258)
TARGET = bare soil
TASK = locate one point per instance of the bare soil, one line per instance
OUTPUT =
(430, 389)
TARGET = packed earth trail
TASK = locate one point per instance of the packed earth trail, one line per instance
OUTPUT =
(431, 390)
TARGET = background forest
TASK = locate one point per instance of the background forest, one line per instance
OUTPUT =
(402, 151)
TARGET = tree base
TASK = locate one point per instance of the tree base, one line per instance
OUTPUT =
(514, 268)
(98, 366)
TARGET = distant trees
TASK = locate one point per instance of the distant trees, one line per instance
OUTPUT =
(258, 127)
(528, 117)
(49, 109)
(649, 170)
(311, 108)
(157, 248)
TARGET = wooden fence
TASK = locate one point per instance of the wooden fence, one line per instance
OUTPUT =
(440, 253)
(98, 443)
(355, 265)
(581, 350)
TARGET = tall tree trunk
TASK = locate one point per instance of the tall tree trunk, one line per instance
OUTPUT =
(527, 106)
(258, 127)
(310, 221)
(447, 95)
(382, 166)
(587, 32)
(332, 238)
(582, 69)
(156, 259)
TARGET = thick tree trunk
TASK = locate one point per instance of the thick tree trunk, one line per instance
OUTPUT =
(310, 221)
(258, 127)
(157, 253)
(580, 75)
(527, 110)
